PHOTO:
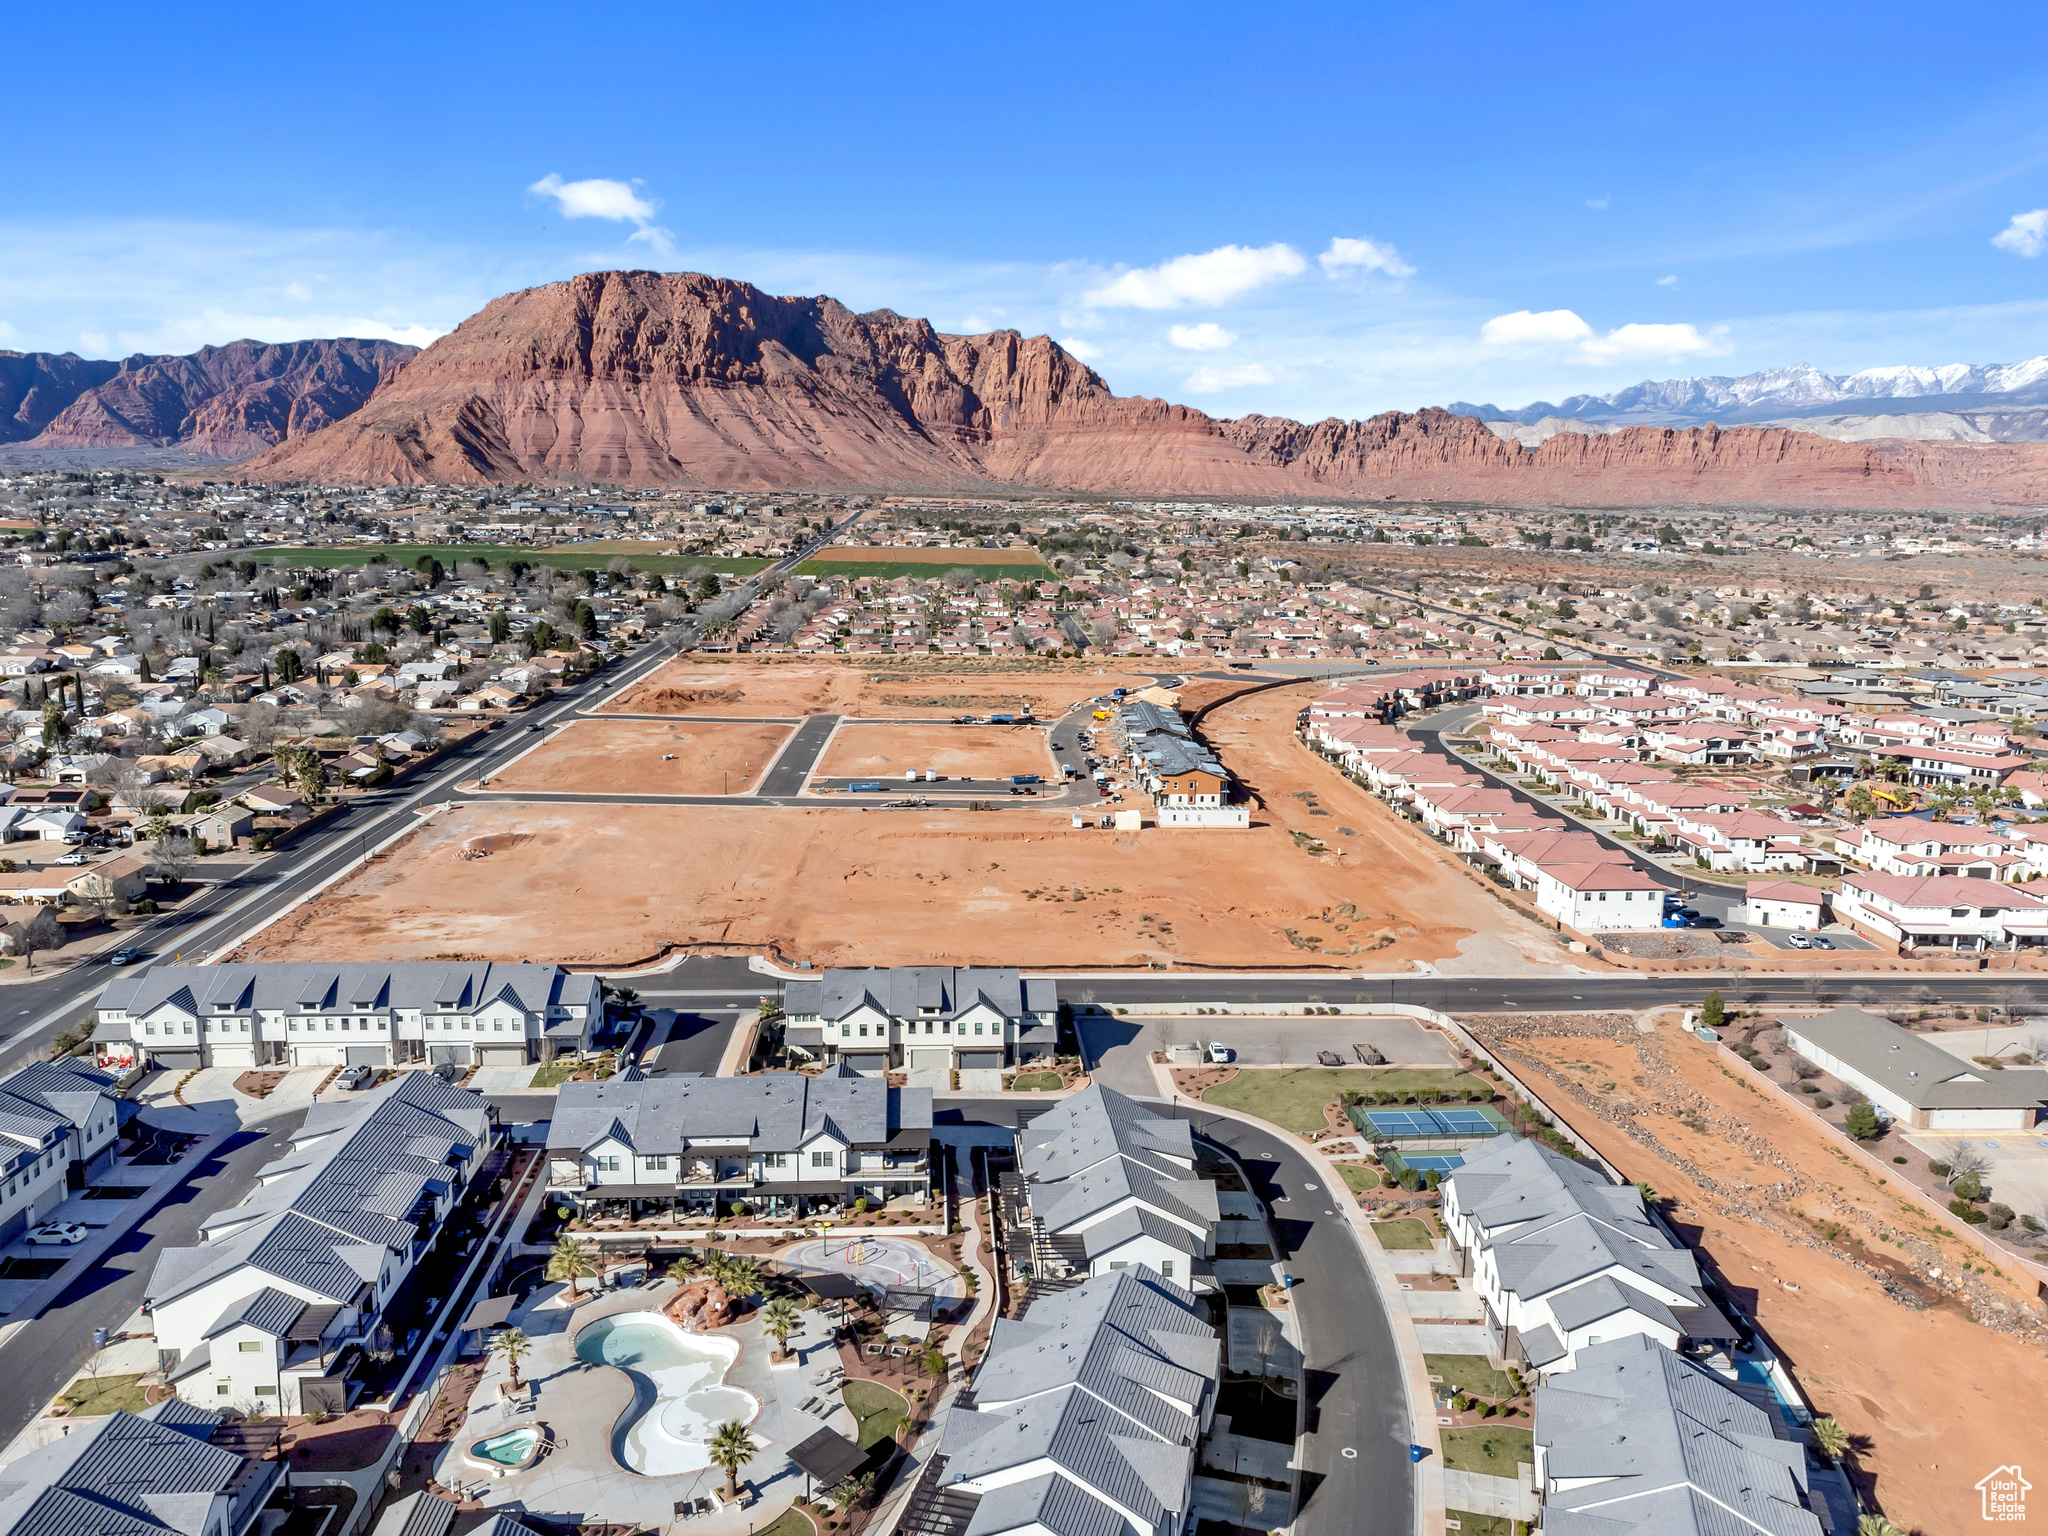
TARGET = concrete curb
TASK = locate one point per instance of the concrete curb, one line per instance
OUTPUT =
(1429, 1472)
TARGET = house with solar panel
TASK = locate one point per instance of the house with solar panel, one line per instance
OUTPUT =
(782, 1144)
(922, 1017)
(1564, 1259)
(58, 1123)
(326, 1014)
(1103, 1184)
(1084, 1418)
(171, 1470)
(276, 1305)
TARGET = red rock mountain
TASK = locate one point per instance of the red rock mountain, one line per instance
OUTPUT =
(227, 402)
(35, 386)
(679, 378)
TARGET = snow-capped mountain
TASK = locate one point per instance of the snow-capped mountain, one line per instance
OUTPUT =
(1779, 392)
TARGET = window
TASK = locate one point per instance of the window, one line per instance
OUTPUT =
(1118, 1264)
(977, 1026)
(608, 1164)
(266, 1391)
(251, 1346)
(863, 1029)
(821, 1159)
(778, 1159)
(222, 1388)
(1166, 1268)
(658, 1162)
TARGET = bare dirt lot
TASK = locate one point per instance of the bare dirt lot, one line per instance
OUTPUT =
(632, 757)
(876, 686)
(598, 883)
(1872, 1300)
(859, 749)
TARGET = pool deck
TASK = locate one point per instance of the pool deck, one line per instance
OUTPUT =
(580, 1403)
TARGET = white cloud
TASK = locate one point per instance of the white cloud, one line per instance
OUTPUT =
(1206, 337)
(1346, 255)
(7, 332)
(1601, 201)
(1212, 278)
(1668, 282)
(1526, 328)
(1080, 349)
(1207, 381)
(595, 199)
(2026, 235)
(1626, 344)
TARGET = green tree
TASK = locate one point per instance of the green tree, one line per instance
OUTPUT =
(740, 1275)
(1969, 1187)
(1861, 802)
(685, 1268)
(1829, 1438)
(1713, 1011)
(310, 773)
(290, 666)
(56, 724)
(1877, 1525)
(709, 587)
(779, 1321)
(387, 619)
(540, 638)
(730, 1449)
(572, 1261)
(420, 619)
(500, 626)
(142, 672)
(512, 1346)
(1861, 1122)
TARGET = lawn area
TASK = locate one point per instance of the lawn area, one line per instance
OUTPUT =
(1359, 1177)
(925, 570)
(1492, 1449)
(1469, 1524)
(1403, 1232)
(876, 1407)
(1038, 1082)
(794, 1522)
(553, 1074)
(1295, 1096)
(1470, 1373)
(571, 557)
(110, 1394)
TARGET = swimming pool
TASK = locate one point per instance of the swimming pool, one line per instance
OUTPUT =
(679, 1396)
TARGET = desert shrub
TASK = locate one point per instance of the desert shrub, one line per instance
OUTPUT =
(1967, 1212)
(1806, 1087)
(1761, 1063)
(1969, 1187)
(1997, 1216)
(1822, 1101)
(1938, 1169)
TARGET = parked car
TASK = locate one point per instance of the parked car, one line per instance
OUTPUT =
(449, 1072)
(1218, 1051)
(353, 1077)
(74, 858)
(127, 954)
(1822, 941)
(59, 1232)
(1329, 1058)
(1798, 941)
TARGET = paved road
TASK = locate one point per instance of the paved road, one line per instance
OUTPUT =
(794, 766)
(50, 1349)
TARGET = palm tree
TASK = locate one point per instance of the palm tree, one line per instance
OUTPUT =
(685, 1268)
(731, 1448)
(742, 1276)
(779, 1322)
(1829, 1438)
(512, 1346)
(1877, 1525)
(571, 1261)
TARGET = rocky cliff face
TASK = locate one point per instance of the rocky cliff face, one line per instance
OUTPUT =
(35, 386)
(227, 402)
(681, 378)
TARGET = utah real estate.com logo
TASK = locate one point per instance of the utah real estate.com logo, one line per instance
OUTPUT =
(2005, 1494)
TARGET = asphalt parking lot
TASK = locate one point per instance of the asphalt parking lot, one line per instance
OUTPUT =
(1119, 1048)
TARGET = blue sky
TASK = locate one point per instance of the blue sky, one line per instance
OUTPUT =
(1327, 210)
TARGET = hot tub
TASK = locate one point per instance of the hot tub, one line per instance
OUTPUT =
(512, 1451)
(679, 1396)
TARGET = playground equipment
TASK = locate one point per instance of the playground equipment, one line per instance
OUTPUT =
(1899, 797)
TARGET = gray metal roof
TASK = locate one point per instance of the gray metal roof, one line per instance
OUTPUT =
(269, 1311)
(1914, 1067)
(128, 1475)
(1099, 1123)
(315, 987)
(1584, 1305)
(1674, 1451)
(776, 1112)
(1066, 1204)
(1047, 1502)
(906, 991)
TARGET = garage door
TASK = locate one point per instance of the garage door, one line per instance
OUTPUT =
(871, 1064)
(501, 1055)
(928, 1060)
(445, 1055)
(982, 1059)
(369, 1055)
(176, 1061)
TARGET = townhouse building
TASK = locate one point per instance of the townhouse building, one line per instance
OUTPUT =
(922, 1017)
(1942, 912)
(1085, 1416)
(173, 1469)
(1563, 1259)
(1639, 1441)
(780, 1145)
(1912, 845)
(275, 1306)
(58, 1125)
(306, 1013)
(1103, 1184)
(1604, 897)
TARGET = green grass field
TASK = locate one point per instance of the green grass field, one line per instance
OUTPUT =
(794, 1522)
(1402, 1232)
(1037, 1082)
(573, 558)
(877, 1409)
(110, 1394)
(1470, 1373)
(1492, 1449)
(1358, 1178)
(889, 570)
(1295, 1096)
(1469, 1524)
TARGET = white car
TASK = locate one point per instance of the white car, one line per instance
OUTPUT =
(74, 858)
(59, 1232)
(1218, 1051)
